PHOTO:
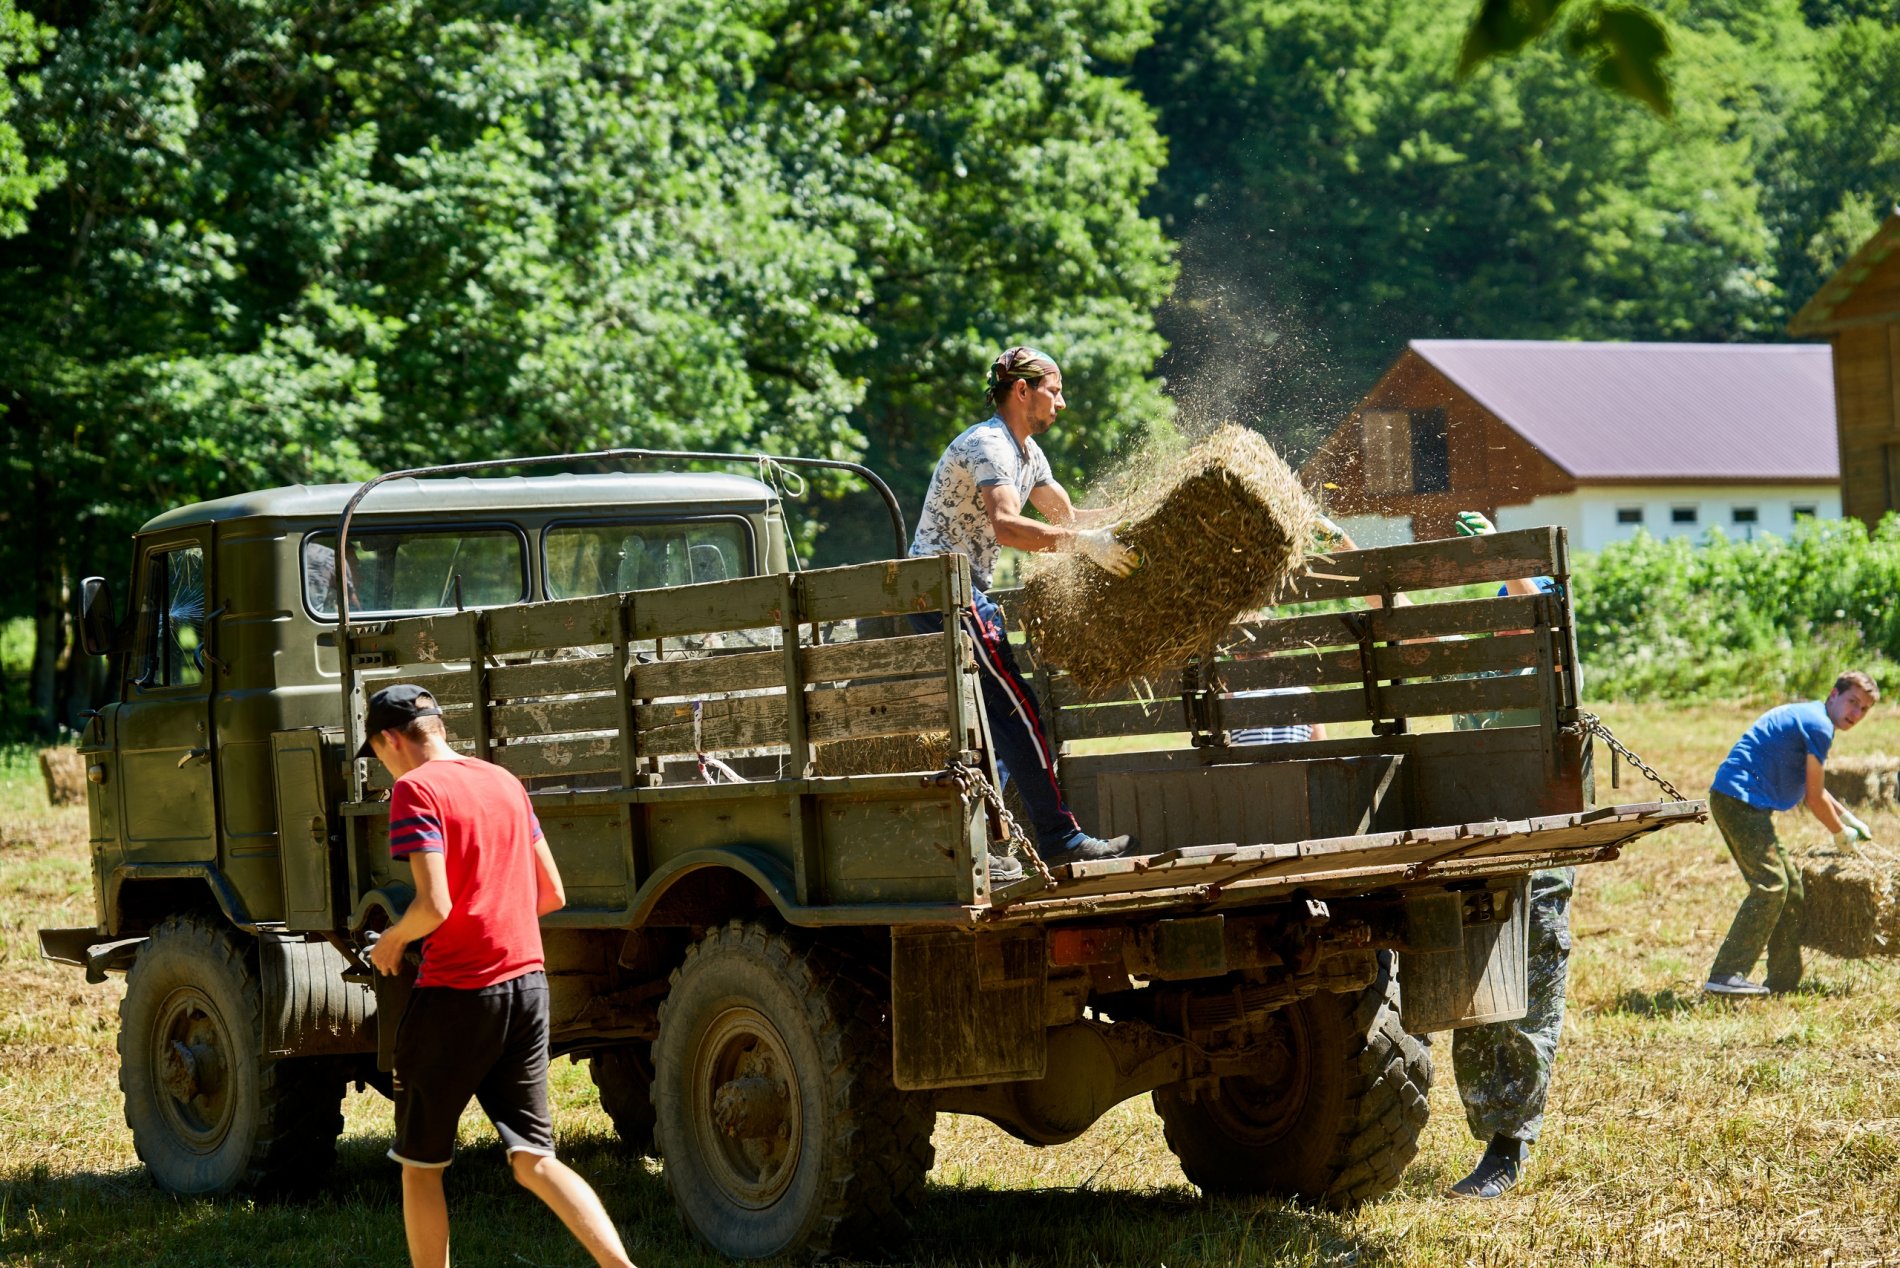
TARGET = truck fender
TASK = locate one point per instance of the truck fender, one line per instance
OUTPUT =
(687, 889)
(130, 877)
(392, 900)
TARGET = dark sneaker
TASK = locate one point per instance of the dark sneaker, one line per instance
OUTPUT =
(1495, 1173)
(1084, 848)
(1733, 984)
(1005, 869)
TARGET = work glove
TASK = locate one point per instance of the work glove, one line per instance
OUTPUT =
(1847, 838)
(1326, 533)
(1855, 827)
(1100, 547)
(1473, 524)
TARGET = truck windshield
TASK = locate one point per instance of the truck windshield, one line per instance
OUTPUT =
(587, 559)
(400, 571)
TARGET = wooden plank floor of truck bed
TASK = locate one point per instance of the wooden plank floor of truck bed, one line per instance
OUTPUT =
(1239, 875)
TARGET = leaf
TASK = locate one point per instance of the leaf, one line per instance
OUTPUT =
(1629, 45)
(1502, 27)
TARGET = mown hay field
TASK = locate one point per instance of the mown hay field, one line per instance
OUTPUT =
(1681, 1131)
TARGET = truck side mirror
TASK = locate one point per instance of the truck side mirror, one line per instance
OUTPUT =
(98, 616)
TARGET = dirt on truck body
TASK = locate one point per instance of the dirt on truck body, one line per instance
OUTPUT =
(781, 977)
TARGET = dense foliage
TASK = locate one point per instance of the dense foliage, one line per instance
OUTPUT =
(1768, 620)
(246, 242)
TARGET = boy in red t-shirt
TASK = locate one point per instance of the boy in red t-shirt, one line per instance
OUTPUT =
(477, 1022)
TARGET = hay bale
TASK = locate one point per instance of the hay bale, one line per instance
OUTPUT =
(883, 754)
(1864, 779)
(65, 772)
(1219, 534)
(1853, 904)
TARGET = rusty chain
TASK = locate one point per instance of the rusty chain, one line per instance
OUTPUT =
(975, 786)
(1595, 725)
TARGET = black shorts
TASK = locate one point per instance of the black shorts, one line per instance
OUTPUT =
(491, 1044)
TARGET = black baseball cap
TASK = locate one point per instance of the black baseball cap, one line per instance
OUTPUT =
(395, 706)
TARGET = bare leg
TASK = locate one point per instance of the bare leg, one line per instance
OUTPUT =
(570, 1197)
(425, 1217)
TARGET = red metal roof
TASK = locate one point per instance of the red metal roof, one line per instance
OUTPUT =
(1657, 411)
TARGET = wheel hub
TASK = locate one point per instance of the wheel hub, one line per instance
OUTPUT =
(188, 1062)
(747, 1102)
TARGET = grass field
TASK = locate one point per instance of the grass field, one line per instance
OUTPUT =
(1680, 1130)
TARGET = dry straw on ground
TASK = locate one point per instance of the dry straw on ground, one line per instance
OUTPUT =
(65, 772)
(1864, 779)
(1853, 903)
(1220, 532)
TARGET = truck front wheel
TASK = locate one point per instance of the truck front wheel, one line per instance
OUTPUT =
(1337, 1117)
(777, 1120)
(208, 1112)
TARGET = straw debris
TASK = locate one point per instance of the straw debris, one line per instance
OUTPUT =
(883, 754)
(1219, 532)
(1853, 903)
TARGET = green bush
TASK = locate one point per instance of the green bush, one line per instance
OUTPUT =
(1763, 620)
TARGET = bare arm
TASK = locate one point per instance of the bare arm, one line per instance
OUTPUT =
(548, 892)
(1820, 802)
(1053, 501)
(430, 907)
(1014, 529)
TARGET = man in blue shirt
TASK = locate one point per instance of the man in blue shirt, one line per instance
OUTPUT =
(1777, 765)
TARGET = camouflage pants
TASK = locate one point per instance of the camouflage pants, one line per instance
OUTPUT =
(1770, 917)
(1503, 1069)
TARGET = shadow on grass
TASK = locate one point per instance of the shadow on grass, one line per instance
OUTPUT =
(120, 1217)
(1667, 1002)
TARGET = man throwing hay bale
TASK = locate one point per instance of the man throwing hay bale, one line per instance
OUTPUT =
(975, 507)
(1776, 765)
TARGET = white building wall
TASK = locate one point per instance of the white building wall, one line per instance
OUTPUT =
(1599, 515)
(1592, 515)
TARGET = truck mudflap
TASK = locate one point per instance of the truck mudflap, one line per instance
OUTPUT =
(1236, 875)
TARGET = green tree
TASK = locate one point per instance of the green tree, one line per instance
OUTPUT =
(1338, 191)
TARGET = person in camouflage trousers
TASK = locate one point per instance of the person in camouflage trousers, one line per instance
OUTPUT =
(1503, 1069)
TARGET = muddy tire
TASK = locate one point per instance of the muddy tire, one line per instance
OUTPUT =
(776, 1116)
(1337, 1122)
(208, 1113)
(624, 1075)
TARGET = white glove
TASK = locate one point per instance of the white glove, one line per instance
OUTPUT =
(1844, 838)
(1099, 546)
(1473, 524)
(1855, 826)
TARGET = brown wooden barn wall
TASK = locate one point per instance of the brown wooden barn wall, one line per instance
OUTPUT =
(1490, 465)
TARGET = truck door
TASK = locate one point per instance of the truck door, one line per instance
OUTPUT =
(166, 800)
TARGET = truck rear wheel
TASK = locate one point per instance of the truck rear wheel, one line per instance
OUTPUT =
(624, 1075)
(1338, 1118)
(777, 1119)
(208, 1112)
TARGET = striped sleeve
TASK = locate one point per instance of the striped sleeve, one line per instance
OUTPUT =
(413, 825)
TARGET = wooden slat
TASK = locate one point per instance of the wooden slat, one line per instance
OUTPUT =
(895, 588)
(534, 627)
(1126, 718)
(562, 757)
(550, 678)
(416, 640)
(600, 712)
(751, 671)
(1417, 620)
(1429, 565)
(725, 723)
(1504, 652)
(1411, 700)
(450, 690)
(881, 708)
(709, 607)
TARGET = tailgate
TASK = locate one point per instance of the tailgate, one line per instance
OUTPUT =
(1239, 875)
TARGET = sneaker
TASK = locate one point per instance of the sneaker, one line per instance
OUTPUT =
(1733, 984)
(1495, 1173)
(1005, 869)
(1083, 848)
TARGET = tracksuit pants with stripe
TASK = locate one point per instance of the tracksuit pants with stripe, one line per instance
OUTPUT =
(1023, 751)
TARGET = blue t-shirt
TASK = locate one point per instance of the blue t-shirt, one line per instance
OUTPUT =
(1768, 767)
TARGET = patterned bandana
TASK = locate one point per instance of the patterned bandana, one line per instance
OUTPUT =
(1019, 363)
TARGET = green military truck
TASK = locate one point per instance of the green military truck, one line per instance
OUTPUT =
(782, 953)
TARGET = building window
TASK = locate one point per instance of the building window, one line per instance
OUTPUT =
(1682, 515)
(1406, 451)
(1629, 514)
(1746, 515)
(1805, 510)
